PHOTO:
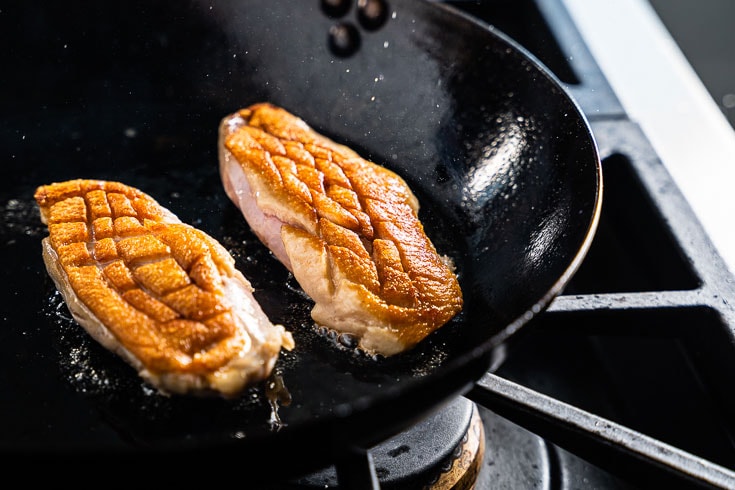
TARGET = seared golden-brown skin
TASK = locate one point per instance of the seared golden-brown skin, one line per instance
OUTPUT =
(347, 228)
(163, 295)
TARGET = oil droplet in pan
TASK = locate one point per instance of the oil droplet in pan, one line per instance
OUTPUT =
(277, 395)
(372, 14)
(344, 39)
(345, 342)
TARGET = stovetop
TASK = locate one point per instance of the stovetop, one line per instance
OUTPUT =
(624, 382)
(625, 379)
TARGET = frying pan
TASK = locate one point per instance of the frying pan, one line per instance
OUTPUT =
(503, 163)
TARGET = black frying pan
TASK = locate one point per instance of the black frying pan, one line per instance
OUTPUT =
(500, 157)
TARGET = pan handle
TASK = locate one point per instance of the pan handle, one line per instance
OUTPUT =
(598, 440)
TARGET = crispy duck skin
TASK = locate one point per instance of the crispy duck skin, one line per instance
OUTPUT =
(164, 296)
(347, 228)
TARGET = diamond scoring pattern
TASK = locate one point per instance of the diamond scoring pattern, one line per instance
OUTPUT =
(363, 213)
(308, 172)
(125, 258)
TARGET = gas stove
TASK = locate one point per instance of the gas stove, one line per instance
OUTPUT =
(625, 381)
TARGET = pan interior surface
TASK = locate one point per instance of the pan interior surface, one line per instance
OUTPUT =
(500, 158)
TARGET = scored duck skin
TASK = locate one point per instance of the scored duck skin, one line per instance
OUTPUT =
(163, 295)
(347, 228)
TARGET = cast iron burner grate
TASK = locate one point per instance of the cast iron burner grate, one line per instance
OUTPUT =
(630, 368)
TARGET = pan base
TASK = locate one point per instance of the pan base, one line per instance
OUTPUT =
(443, 452)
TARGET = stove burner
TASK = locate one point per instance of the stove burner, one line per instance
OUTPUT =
(442, 452)
(466, 446)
